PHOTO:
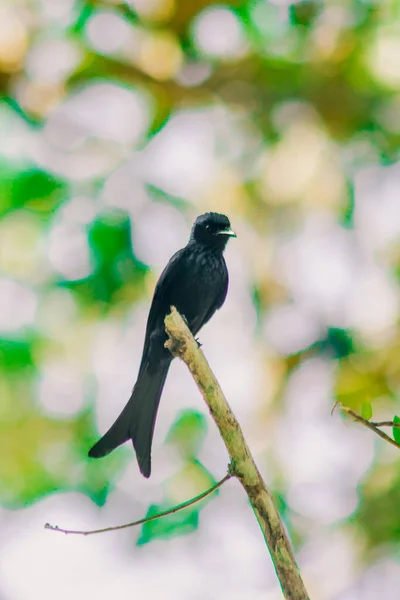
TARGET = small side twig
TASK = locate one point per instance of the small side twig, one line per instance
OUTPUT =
(385, 424)
(370, 425)
(146, 519)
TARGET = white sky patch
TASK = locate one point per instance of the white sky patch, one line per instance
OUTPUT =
(52, 60)
(218, 33)
(290, 328)
(18, 305)
(180, 159)
(116, 353)
(68, 250)
(104, 110)
(381, 580)
(322, 502)
(306, 441)
(125, 189)
(377, 206)
(373, 306)
(92, 132)
(57, 312)
(108, 32)
(80, 210)
(79, 160)
(383, 56)
(193, 73)
(15, 135)
(317, 265)
(158, 232)
(60, 11)
(338, 549)
(61, 388)
(111, 566)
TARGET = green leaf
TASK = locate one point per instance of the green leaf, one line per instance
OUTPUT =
(366, 410)
(304, 13)
(339, 342)
(6, 178)
(111, 245)
(37, 190)
(15, 354)
(40, 455)
(159, 195)
(377, 515)
(396, 430)
(180, 523)
(360, 379)
(347, 216)
(188, 433)
(117, 274)
(190, 482)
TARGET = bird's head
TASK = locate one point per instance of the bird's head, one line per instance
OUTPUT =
(212, 229)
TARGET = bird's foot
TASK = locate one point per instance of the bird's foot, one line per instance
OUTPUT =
(199, 344)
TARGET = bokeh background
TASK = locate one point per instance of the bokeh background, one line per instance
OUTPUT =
(120, 122)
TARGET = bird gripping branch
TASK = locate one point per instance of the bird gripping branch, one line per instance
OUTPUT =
(195, 281)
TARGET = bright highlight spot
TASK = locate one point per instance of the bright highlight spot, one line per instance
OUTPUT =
(13, 41)
(154, 10)
(17, 305)
(383, 57)
(218, 33)
(108, 32)
(160, 55)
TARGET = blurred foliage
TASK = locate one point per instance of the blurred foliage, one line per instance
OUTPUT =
(189, 482)
(39, 453)
(320, 75)
(396, 430)
(33, 190)
(186, 435)
(377, 515)
(117, 275)
(366, 410)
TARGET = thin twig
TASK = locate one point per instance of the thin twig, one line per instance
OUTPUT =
(370, 425)
(337, 403)
(385, 424)
(146, 519)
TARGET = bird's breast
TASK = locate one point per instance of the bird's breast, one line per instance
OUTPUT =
(203, 282)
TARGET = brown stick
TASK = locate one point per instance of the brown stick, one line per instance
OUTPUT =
(370, 425)
(170, 511)
(385, 424)
(182, 344)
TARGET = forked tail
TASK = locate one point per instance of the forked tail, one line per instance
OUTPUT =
(137, 420)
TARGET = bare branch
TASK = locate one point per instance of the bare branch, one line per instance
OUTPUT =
(372, 426)
(146, 519)
(183, 345)
(385, 424)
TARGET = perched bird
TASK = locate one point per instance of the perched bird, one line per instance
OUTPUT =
(195, 281)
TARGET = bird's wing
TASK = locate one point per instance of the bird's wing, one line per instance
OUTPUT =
(219, 300)
(159, 308)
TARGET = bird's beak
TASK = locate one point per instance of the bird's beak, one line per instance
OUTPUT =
(227, 232)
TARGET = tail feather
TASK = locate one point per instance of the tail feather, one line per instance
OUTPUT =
(137, 420)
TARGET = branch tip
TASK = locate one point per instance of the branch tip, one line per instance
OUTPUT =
(164, 513)
(370, 425)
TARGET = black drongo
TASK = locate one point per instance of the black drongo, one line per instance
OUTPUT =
(195, 281)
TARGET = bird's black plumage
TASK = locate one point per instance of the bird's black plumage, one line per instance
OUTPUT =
(195, 281)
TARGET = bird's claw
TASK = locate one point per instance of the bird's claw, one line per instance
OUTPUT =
(199, 344)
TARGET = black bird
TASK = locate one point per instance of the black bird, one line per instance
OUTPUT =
(195, 281)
